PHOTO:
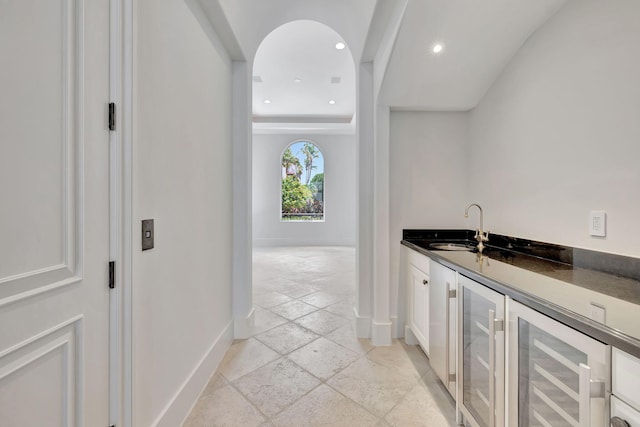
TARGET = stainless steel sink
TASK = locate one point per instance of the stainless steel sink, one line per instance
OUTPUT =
(451, 247)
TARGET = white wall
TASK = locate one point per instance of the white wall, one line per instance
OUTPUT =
(182, 178)
(339, 227)
(428, 182)
(558, 134)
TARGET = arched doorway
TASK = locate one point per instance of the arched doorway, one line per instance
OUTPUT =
(304, 90)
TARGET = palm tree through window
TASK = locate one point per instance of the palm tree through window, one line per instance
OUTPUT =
(302, 182)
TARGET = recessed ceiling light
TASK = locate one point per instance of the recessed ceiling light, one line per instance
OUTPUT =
(340, 45)
(297, 80)
(437, 48)
(267, 101)
(332, 102)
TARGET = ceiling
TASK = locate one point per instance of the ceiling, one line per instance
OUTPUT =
(303, 77)
(479, 39)
(479, 36)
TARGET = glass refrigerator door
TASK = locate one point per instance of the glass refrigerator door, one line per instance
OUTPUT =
(481, 388)
(557, 373)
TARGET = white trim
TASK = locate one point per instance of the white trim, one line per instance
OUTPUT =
(380, 333)
(242, 215)
(363, 325)
(67, 338)
(243, 326)
(409, 336)
(175, 412)
(115, 197)
(395, 331)
(364, 207)
(126, 236)
(381, 245)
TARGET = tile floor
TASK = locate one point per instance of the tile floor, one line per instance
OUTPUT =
(304, 366)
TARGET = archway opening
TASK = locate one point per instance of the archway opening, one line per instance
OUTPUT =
(304, 141)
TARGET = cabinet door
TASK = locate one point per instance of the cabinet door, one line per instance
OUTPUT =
(557, 374)
(442, 323)
(481, 354)
(420, 319)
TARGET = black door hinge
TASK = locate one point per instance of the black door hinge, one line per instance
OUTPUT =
(112, 116)
(112, 274)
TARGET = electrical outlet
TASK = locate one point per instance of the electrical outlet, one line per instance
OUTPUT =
(598, 223)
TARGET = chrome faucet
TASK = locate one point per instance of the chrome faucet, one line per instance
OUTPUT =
(481, 236)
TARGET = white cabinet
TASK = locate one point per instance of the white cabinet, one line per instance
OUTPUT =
(442, 323)
(626, 388)
(557, 374)
(623, 415)
(510, 365)
(481, 354)
(420, 319)
(418, 298)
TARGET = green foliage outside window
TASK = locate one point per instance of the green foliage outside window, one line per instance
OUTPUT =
(302, 183)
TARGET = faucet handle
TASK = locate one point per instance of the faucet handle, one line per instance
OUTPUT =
(485, 236)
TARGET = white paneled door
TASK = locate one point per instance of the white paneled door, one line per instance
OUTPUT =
(54, 213)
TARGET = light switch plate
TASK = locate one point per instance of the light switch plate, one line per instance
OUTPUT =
(598, 223)
(147, 234)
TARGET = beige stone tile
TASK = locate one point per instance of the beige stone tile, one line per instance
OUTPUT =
(286, 338)
(321, 299)
(224, 407)
(342, 308)
(420, 408)
(269, 299)
(244, 357)
(293, 310)
(297, 290)
(376, 387)
(265, 320)
(408, 359)
(276, 385)
(346, 337)
(321, 322)
(323, 358)
(215, 382)
(324, 407)
(272, 279)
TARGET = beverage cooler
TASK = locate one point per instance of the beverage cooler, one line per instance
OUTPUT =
(481, 354)
(557, 375)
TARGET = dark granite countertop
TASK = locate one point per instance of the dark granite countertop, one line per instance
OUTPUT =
(559, 281)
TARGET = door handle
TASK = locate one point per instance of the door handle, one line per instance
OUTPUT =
(447, 331)
(588, 389)
(494, 326)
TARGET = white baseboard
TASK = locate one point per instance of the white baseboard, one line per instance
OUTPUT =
(396, 331)
(380, 333)
(409, 337)
(243, 326)
(363, 325)
(185, 398)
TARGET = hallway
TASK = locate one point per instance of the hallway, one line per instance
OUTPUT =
(304, 366)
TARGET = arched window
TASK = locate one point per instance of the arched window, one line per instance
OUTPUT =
(302, 195)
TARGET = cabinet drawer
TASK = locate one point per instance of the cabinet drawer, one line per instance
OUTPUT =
(626, 377)
(627, 413)
(421, 262)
